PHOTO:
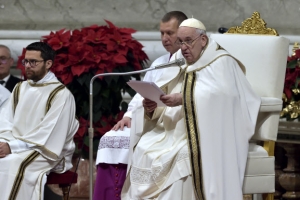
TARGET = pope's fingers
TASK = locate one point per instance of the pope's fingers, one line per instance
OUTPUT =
(114, 127)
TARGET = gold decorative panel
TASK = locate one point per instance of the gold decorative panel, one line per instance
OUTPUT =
(295, 47)
(253, 25)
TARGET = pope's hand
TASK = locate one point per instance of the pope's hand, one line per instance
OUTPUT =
(4, 149)
(172, 100)
(149, 105)
(126, 121)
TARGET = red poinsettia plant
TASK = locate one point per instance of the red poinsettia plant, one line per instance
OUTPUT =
(291, 92)
(81, 54)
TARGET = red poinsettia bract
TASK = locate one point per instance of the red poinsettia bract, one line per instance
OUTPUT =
(292, 76)
(99, 48)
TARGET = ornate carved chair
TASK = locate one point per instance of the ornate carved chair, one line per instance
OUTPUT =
(264, 55)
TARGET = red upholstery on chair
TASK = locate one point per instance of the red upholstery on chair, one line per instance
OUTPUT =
(64, 181)
(68, 177)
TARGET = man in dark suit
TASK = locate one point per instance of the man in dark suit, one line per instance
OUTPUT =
(6, 61)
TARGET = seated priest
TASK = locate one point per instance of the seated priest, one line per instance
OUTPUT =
(37, 128)
(196, 146)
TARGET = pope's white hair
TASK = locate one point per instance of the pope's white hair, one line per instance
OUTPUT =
(200, 31)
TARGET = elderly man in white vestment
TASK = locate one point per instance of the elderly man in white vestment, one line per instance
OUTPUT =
(195, 147)
(112, 156)
(37, 128)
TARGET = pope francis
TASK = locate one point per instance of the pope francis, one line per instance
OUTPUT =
(195, 147)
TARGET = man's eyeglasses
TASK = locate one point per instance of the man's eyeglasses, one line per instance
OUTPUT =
(31, 62)
(188, 43)
(4, 60)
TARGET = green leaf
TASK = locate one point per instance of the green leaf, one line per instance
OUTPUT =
(297, 82)
(86, 140)
(103, 123)
(95, 144)
(126, 78)
(88, 80)
(115, 78)
(97, 103)
(85, 108)
(97, 116)
(292, 64)
(83, 78)
(96, 87)
(108, 79)
(105, 93)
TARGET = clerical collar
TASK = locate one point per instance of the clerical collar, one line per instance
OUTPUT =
(44, 81)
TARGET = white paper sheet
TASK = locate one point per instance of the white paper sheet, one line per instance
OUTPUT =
(148, 90)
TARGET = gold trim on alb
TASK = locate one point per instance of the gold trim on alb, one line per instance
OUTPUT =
(16, 95)
(21, 173)
(52, 95)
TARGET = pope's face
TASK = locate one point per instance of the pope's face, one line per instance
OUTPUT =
(192, 51)
(35, 66)
(168, 32)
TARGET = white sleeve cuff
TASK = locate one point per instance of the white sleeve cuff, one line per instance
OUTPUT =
(128, 114)
(17, 146)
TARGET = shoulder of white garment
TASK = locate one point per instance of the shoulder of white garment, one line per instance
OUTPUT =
(63, 93)
(4, 95)
(228, 61)
(160, 60)
(4, 92)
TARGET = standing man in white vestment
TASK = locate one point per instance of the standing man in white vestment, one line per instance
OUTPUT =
(37, 128)
(112, 156)
(196, 147)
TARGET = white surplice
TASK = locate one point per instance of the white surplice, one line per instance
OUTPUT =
(41, 118)
(198, 150)
(113, 146)
(4, 95)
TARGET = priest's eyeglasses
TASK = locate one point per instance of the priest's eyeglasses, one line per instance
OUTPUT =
(188, 43)
(32, 62)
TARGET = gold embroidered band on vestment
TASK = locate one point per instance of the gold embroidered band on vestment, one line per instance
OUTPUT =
(45, 151)
(20, 175)
(52, 95)
(16, 95)
(193, 134)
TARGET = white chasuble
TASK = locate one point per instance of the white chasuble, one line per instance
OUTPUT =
(197, 150)
(220, 112)
(43, 117)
